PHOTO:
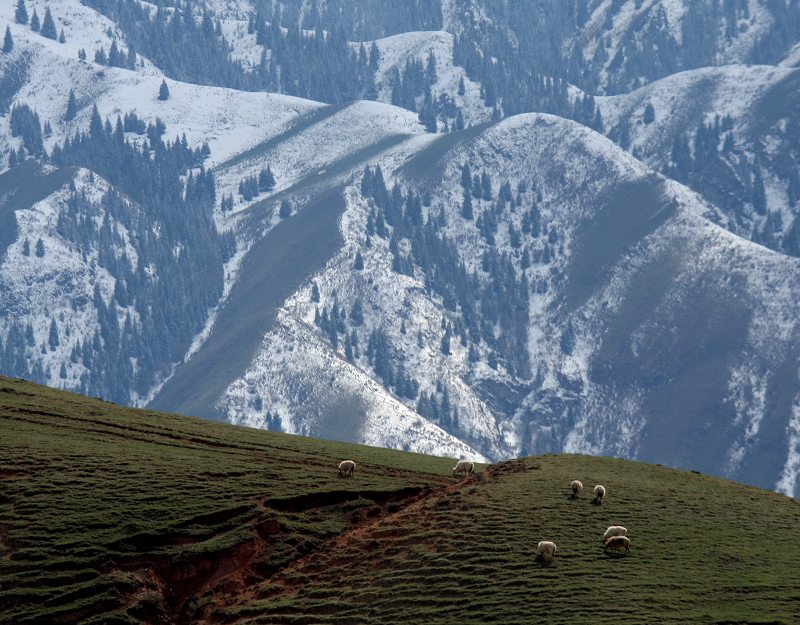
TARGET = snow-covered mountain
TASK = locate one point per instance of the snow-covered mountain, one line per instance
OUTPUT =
(731, 133)
(415, 262)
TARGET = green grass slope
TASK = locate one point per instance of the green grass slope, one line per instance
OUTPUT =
(115, 515)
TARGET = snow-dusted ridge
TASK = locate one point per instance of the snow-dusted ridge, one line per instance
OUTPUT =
(573, 169)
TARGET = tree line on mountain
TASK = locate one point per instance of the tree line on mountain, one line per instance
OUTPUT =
(363, 20)
(160, 203)
(486, 308)
(187, 43)
(708, 160)
(555, 38)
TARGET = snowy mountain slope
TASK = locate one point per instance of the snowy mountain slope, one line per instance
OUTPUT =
(603, 389)
(629, 26)
(750, 112)
(299, 385)
(627, 343)
(230, 121)
(397, 50)
(338, 401)
(50, 287)
(314, 144)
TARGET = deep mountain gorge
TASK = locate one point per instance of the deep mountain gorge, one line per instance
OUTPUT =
(482, 228)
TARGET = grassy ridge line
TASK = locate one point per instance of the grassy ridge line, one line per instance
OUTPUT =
(115, 515)
(705, 550)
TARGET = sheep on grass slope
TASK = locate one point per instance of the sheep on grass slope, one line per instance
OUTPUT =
(599, 494)
(618, 542)
(577, 488)
(546, 551)
(614, 530)
(464, 467)
(346, 467)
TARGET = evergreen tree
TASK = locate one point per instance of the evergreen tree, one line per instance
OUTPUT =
(8, 41)
(21, 14)
(163, 91)
(100, 57)
(466, 206)
(314, 292)
(114, 55)
(486, 186)
(35, 25)
(445, 345)
(431, 68)
(358, 265)
(40, 248)
(49, 25)
(61, 37)
(374, 57)
(266, 181)
(759, 193)
(26, 248)
(357, 313)
(72, 107)
(25, 123)
(285, 209)
(649, 114)
(53, 340)
(466, 176)
(82, 54)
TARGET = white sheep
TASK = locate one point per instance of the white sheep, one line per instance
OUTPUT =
(546, 550)
(464, 467)
(577, 488)
(599, 493)
(614, 530)
(617, 542)
(346, 467)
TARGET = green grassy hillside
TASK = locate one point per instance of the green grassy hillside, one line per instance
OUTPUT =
(114, 515)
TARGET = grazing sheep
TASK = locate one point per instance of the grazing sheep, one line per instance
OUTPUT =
(464, 467)
(577, 488)
(616, 542)
(546, 550)
(346, 467)
(614, 530)
(599, 493)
